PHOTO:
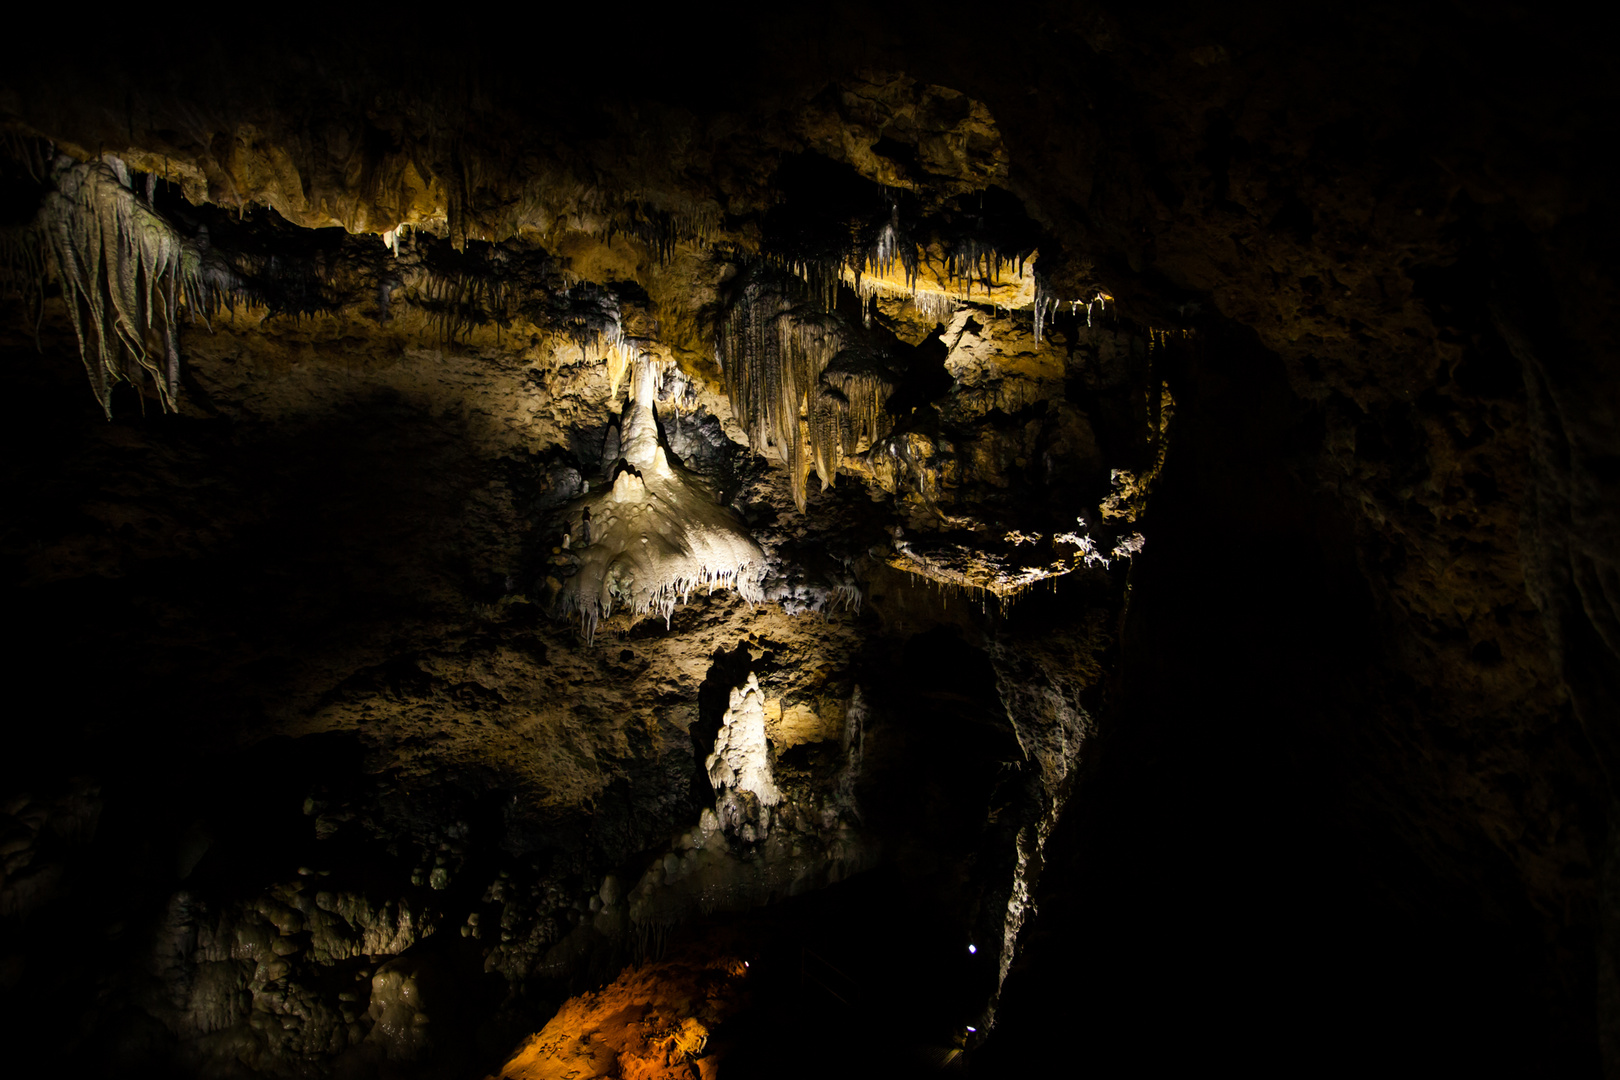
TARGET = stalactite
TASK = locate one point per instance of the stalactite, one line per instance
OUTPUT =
(459, 302)
(775, 355)
(971, 262)
(846, 415)
(124, 270)
(929, 303)
(664, 229)
(891, 246)
(589, 316)
(1045, 306)
(969, 268)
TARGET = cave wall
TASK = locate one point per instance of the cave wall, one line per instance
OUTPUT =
(1367, 671)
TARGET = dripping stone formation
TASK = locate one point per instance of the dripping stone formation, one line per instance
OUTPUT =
(866, 549)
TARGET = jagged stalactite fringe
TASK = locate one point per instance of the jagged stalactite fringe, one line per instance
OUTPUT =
(123, 271)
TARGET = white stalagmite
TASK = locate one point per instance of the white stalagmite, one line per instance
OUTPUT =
(655, 534)
(741, 761)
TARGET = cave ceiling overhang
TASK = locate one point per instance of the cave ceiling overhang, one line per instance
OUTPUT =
(716, 246)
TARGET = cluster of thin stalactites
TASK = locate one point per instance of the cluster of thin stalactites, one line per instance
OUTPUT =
(776, 357)
(779, 355)
(593, 607)
(125, 272)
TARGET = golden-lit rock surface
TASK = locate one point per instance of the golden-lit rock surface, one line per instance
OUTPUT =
(939, 287)
(651, 1023)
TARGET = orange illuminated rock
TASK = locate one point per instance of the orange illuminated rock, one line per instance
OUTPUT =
(652, 1022)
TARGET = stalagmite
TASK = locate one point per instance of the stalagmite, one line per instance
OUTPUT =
(740, 766)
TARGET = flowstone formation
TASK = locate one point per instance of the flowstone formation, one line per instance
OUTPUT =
(654, 534)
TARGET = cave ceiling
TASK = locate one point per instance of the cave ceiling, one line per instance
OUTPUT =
(528, 516)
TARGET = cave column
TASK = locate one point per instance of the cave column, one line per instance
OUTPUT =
(641, 426)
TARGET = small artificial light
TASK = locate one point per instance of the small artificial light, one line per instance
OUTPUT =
(972, 1029)
(973, 950)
